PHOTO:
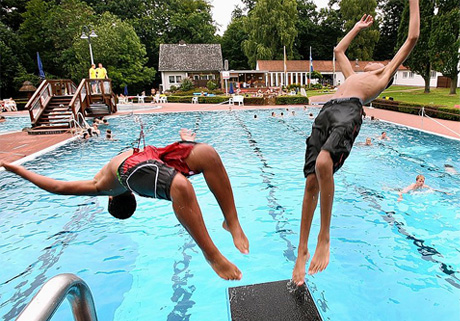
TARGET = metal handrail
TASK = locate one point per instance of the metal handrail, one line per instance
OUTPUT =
(45, 303)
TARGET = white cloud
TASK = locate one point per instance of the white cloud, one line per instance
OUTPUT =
(222, 11)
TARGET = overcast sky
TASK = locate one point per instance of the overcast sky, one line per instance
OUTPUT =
(222, 11)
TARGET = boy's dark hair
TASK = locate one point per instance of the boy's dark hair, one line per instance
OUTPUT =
(109, 131)
(122, 206)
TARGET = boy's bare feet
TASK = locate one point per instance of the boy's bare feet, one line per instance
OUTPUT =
(320, 259)
(239, 238)
(298, 275)
(225, 269)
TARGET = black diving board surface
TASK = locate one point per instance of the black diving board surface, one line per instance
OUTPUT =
(280, 301)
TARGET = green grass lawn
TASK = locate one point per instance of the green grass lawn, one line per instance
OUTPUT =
(437, 96)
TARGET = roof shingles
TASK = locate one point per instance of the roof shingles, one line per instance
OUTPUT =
(190, 57)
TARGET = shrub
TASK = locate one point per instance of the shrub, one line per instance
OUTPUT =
(254, 101)
(291, 100)
(441, 112)
(211, 85)
(187, 84)
(172, 88)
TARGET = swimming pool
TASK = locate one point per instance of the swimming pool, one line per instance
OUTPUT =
(389, 260)
(14, 124)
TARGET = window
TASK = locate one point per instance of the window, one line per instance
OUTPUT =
(433, 74)
(178, 79)
(203, 77)
(171, 79)
(405, 74)
(411, 74)
(196, 77)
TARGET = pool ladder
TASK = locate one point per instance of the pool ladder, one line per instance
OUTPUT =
(45, 303)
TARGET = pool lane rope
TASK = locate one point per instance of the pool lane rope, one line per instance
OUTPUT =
(422, 113)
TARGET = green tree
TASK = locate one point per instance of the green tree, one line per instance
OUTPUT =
(362, 47)
(419, 59)
(445, 41)
(12, 61)
(170, 21)
(118, 47)
(51, 29)
(270, 25)
(231, 42)
(388, 25)
(331, 31)
(308, 29)
(11, 13)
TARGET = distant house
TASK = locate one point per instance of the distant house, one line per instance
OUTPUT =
(200, 62)
(297, 72)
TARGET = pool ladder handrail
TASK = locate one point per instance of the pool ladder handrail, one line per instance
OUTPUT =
(45, 303)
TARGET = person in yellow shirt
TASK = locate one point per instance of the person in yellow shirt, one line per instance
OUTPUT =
(101, 72)
(92, 75)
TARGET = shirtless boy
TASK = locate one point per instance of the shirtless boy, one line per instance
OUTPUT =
(162, 173)
(333, 134)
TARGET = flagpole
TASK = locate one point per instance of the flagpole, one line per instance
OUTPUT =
(285, 67)
(333, 68)
(309, 72)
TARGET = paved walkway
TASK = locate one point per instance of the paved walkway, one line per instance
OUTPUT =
(15, 146)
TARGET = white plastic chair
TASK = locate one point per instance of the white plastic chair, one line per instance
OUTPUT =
(163, 99)
(194, 100)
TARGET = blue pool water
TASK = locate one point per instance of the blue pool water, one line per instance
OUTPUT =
(389, 260)
(14, 123)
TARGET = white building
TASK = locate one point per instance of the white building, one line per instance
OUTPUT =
(199, 62)
(297, 73)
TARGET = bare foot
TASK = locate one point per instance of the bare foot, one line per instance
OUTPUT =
(225, 269)
(298, 275)
(320, 259)
(239, 238)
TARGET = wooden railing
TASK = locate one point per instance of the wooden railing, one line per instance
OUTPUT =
(47, 89)
(37, 103)
(90, 91)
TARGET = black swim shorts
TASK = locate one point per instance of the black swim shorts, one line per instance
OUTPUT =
(335, 130)
(150, 178)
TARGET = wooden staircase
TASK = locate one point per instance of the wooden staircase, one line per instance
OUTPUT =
(56, 117)
(57, 105)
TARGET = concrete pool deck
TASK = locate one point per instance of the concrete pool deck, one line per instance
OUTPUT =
(18, 145)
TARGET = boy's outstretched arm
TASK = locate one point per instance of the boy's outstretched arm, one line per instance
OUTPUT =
(412, 38)
(365, 22)
(52, 185)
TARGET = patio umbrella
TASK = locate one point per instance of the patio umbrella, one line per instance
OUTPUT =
(125, 91)
(230, 90)
(41, 73)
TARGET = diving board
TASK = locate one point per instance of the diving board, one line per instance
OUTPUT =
(272, 301)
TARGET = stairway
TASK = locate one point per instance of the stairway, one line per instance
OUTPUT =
(55, 118)
(98, 109)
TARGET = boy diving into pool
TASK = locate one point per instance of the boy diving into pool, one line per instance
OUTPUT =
(333, 133)
(162, 173)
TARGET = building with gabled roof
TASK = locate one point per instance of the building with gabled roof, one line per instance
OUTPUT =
(200, 62)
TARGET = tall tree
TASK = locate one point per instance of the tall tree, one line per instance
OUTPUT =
(119, 48)
(270, 26)
(445, 41)
(308, 29)
(419, 59)
(231, 42)
(51, 28)
(363, 45)
(11, 13)
(12, 61)
(389, 22)
(249, 4)
(331, 30)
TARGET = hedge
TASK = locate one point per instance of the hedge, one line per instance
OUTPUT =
(291, 100)
(441, 112)
(201, 99)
